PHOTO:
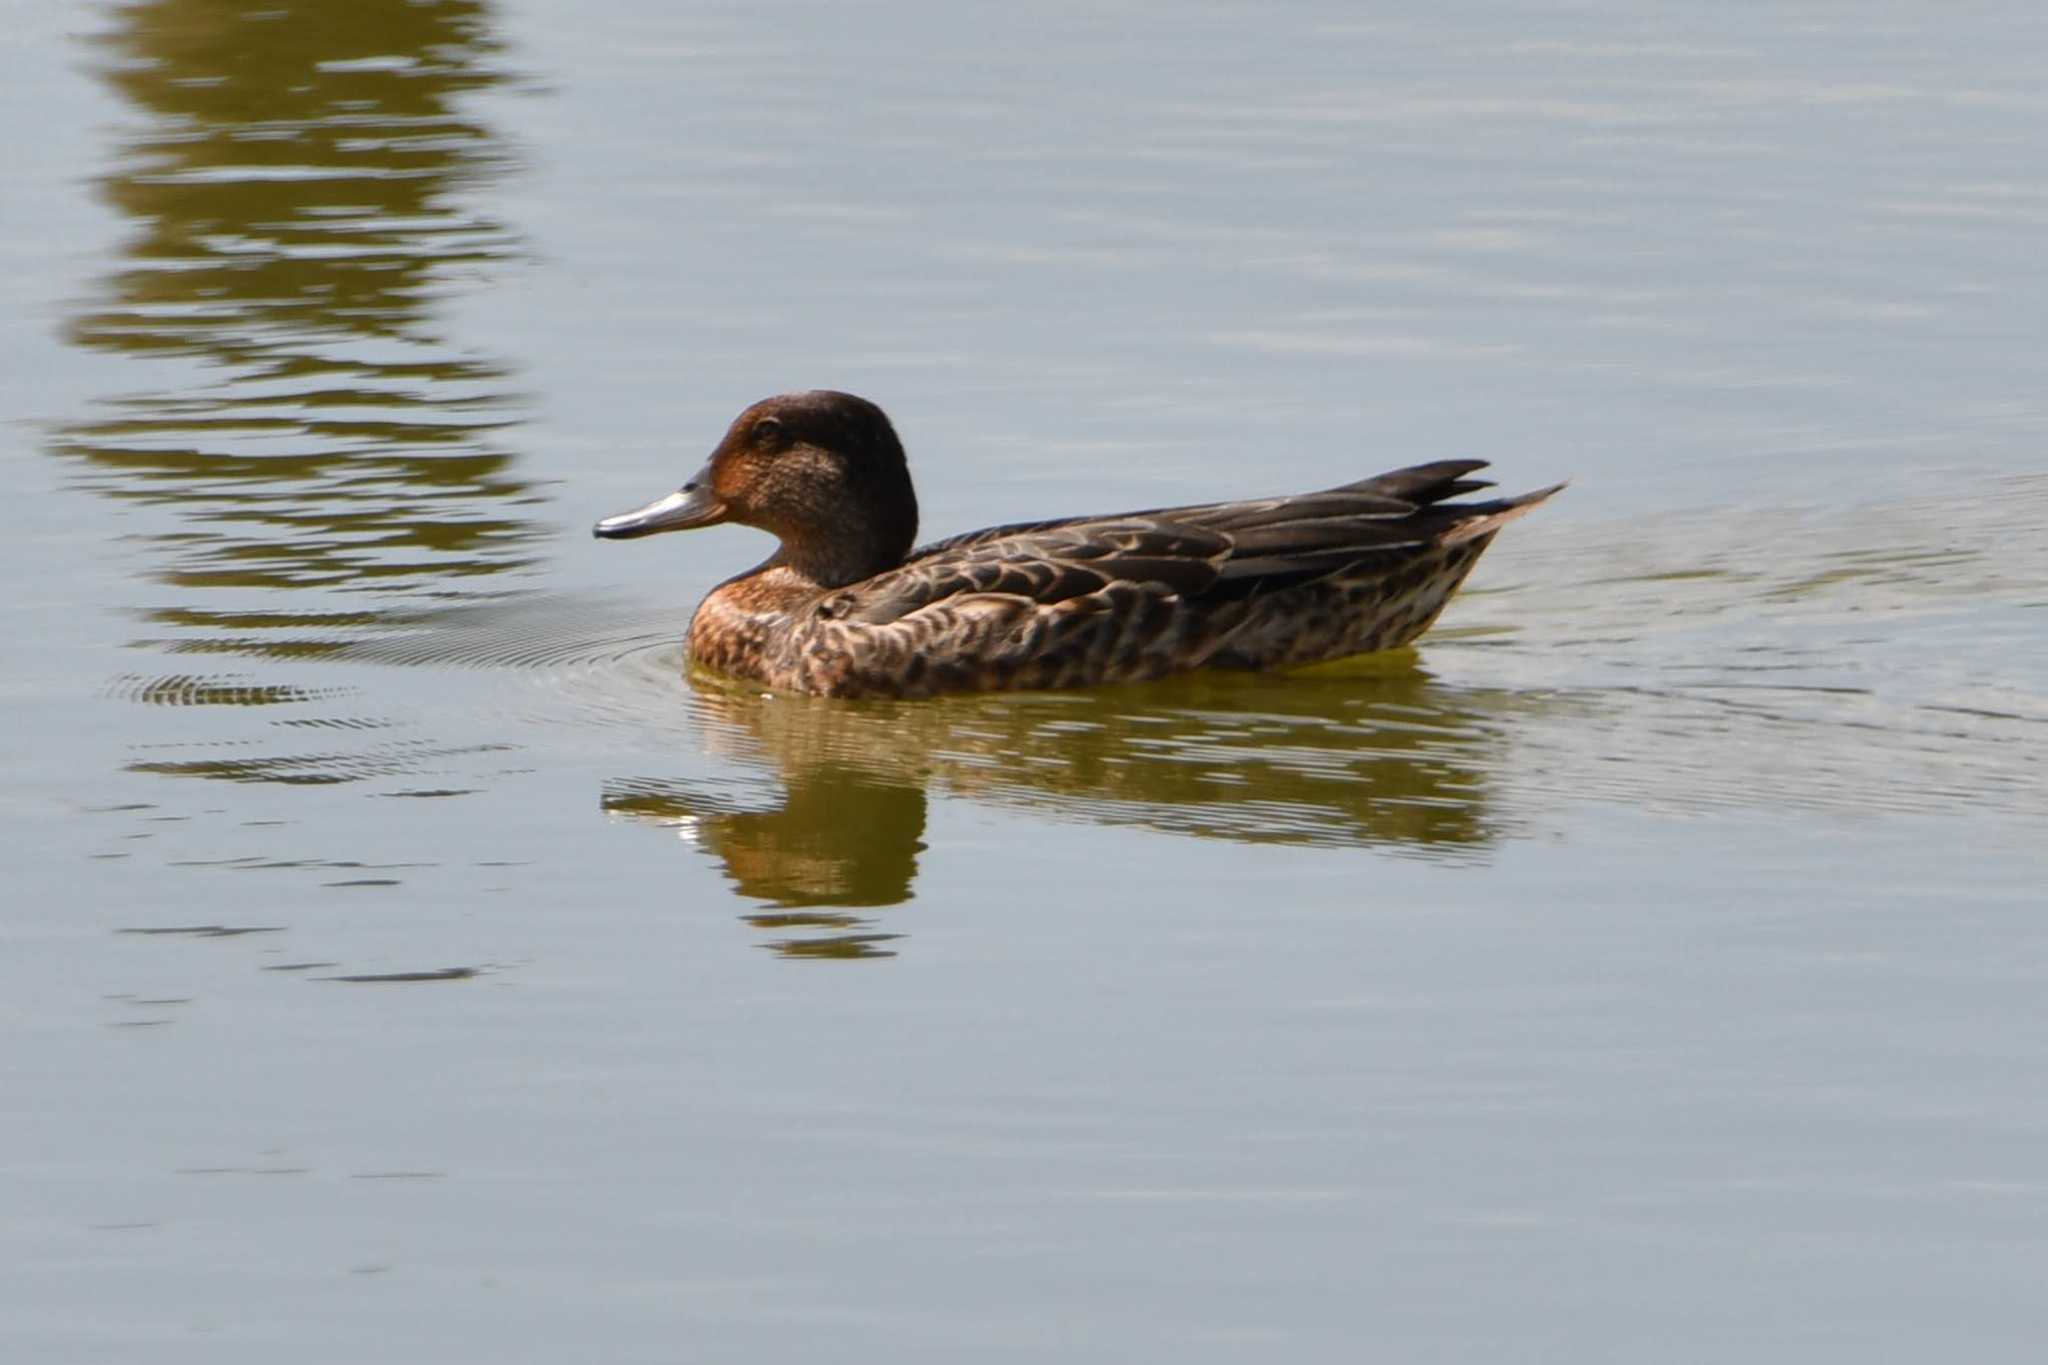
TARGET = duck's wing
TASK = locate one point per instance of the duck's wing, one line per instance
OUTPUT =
(1280, 542)
(1210, 552)
(1043, 562)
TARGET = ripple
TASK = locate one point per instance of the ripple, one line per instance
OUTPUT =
(184, 689)
(317, 769)
(527, 633)
(1868, 659)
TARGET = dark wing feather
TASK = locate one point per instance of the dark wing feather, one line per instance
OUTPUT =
(1211, 552)
(1423, 484)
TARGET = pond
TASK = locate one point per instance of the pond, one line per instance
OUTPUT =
(403, 949)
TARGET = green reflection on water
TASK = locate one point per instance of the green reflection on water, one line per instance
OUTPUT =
(1383, 756)
(294, 191)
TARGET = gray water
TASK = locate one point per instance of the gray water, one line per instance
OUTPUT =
(405, 962)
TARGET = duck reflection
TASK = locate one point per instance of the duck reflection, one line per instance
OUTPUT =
(840, 837)
(1383, 757)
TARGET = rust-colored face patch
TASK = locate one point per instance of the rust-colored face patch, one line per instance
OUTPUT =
(732, 476)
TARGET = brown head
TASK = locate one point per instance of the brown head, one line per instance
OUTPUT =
(821, 471)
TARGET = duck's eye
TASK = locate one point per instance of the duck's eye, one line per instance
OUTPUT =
(767, 432)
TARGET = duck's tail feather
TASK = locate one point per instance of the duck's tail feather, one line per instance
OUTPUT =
(1484, 518)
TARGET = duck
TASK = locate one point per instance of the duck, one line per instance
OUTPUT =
(846, 607)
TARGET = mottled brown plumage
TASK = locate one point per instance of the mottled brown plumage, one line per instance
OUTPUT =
(845, 607)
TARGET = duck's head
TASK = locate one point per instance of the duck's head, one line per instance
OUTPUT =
(822, 471)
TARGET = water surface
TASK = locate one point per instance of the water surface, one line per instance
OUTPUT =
(404, 950)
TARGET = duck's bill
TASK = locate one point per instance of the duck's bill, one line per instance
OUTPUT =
(692, 505)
